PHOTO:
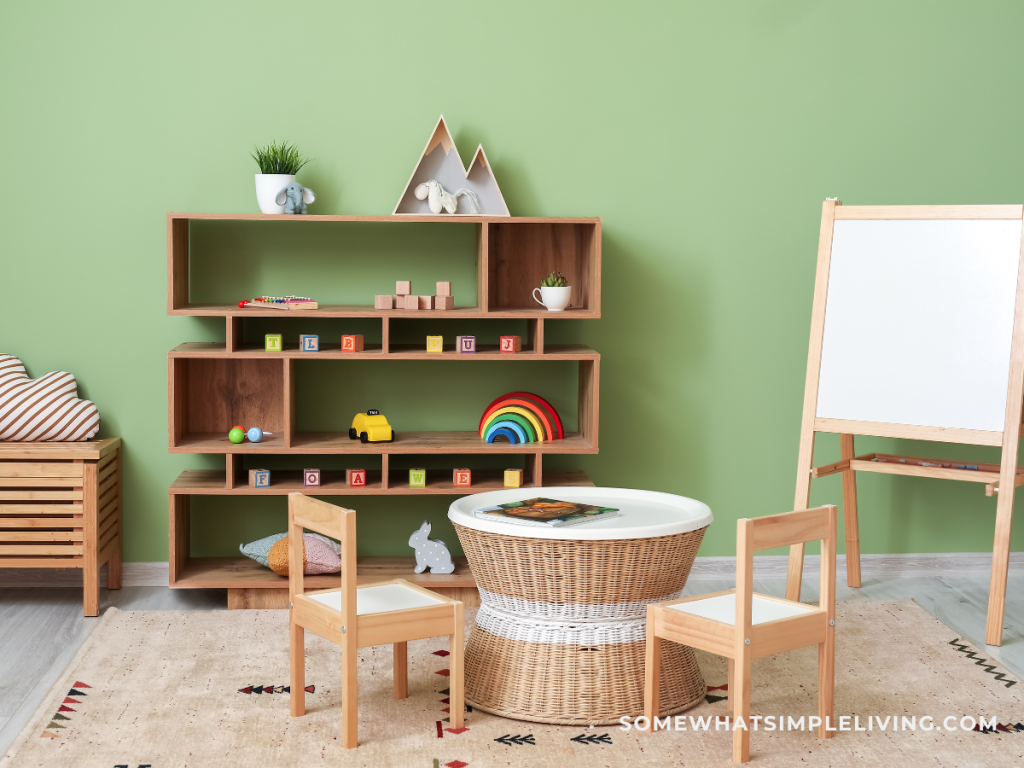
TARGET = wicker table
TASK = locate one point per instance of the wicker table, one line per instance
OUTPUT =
(559, 637)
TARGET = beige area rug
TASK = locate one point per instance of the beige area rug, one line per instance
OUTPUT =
(178, 688)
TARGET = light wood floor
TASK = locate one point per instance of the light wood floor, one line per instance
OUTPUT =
(42, 628)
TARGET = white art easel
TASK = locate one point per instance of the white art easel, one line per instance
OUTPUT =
(917, 332)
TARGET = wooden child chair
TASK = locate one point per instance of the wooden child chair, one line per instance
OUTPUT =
(389, 612)
(742, 625)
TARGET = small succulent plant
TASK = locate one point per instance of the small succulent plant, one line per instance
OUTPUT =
(554, 280)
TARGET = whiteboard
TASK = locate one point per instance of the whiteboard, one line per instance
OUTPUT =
(919, 322)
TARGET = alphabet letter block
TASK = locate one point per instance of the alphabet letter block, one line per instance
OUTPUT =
(444, 302)
(259, 478)
(425, 302)
(465, 344)
(352, 343)
(410, 302)
(513, 478)
(272, 342)
(311, 478)
(383, 301)
(462, 478)
(511, 343)
(309, 342)
(435, 344)
(356, 478)
(403, 287)
(417, 478)
(444, 289)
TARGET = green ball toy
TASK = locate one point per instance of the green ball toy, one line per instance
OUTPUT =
(236, 435)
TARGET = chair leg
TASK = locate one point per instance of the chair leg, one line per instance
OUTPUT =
(652, 670)
(297, 659)
(349, 693)
(729, 702)
(826, 682)
(457, 670)
(741, 709)
(401, 669)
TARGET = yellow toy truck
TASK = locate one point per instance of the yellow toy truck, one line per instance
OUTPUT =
(371, 427)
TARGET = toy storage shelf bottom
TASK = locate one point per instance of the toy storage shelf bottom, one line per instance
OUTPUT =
(250, 585)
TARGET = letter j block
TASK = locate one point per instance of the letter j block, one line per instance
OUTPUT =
(510, 344)
(417, 478)
(272, 342)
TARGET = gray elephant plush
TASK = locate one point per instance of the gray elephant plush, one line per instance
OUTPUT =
(294, 198)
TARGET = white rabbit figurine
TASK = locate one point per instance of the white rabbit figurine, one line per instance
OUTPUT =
(430, 553)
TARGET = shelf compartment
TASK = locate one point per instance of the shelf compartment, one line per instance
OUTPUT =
(396, 352)
(206, 482)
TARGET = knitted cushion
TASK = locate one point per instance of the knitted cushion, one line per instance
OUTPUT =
(44, 409)
(317, 556)
(258, 550)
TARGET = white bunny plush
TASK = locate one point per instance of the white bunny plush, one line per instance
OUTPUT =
(430, 553)
(438, 198)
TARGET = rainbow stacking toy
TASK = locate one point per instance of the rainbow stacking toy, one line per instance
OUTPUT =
(521, 417)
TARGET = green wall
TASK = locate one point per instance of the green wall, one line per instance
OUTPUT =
(704, 134)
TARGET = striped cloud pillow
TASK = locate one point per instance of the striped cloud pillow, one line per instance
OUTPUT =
(44, 409)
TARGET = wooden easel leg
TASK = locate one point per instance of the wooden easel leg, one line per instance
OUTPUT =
(1000, 559)
(846, 451)
(802, 501)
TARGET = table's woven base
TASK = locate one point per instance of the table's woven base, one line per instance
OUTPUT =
(571, 684)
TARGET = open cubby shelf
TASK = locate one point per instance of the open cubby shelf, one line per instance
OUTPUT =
(213, 386)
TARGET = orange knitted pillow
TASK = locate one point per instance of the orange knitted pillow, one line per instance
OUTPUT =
(317, 556)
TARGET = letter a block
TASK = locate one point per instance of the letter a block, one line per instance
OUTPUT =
(272, 342)
(356, 478)
(259, 478)
(417, 478)
(309, 342)
(352, 343)
(311, 478)
(513, 478)
(510, 343)
(435, 344)
(462, 478)
(465, 344)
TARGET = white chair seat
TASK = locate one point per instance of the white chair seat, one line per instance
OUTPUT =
(380, 599)
(723, 608)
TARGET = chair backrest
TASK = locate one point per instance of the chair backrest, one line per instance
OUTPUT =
(753, 534)
(330, 520)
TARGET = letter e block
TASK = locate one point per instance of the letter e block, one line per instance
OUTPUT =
(462, 478)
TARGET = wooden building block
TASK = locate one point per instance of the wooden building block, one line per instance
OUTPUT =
(383, 301)
(410, 302)
(398, 301)
(403, 287)
(513, 478)
(426, 302)
(417, 478)
(511, 344)
(444, 289)
(352, 343)
(311, 478)
(444, 302)
(465, 344)
(309, 342)
(259, 478)
(272, 342)
(462, 478)
(355, 478)
(435, 344)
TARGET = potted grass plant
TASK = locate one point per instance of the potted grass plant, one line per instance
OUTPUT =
(555, 292)
(278, 165)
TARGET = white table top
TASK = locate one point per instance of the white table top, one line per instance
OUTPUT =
(643, 514)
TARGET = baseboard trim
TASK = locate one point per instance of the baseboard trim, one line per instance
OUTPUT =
(871, 566)
(765, 567)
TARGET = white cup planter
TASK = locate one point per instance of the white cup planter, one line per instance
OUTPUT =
(267, 187)
(553, 299)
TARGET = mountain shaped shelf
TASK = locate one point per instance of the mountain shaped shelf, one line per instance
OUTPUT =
(441, 161)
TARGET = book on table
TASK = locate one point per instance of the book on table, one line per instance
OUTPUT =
(545, 513)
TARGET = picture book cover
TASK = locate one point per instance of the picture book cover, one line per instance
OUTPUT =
(546, 512)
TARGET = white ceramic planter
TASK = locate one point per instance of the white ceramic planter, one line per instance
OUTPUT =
(267, 187)
(554, 299)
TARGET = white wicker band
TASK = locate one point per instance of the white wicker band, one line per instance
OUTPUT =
(519, 627)
(570, 611)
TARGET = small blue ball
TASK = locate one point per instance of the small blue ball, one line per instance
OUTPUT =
(255, 435)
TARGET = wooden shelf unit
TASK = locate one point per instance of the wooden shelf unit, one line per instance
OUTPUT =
(213, 386)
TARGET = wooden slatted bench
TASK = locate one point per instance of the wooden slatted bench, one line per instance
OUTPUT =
(60, 507)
